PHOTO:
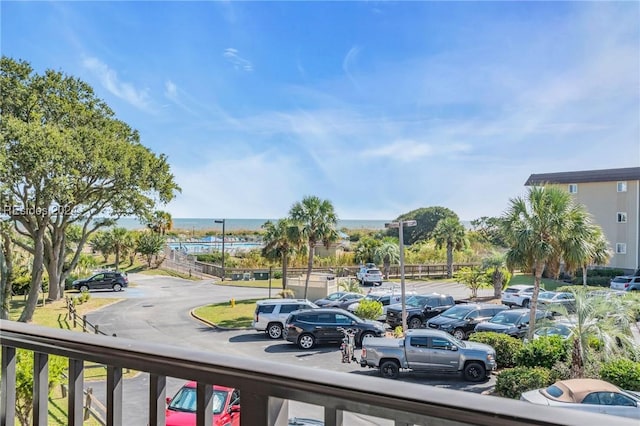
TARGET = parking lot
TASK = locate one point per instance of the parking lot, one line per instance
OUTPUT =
(157, 309)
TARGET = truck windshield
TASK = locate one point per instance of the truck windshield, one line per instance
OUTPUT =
(417, 301)
(457, 312)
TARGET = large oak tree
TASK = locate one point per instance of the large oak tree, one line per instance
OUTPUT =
(65, 159)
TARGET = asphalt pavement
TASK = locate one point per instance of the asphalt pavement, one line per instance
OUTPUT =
(157, 309)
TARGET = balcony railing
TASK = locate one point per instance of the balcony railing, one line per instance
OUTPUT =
(265, 387)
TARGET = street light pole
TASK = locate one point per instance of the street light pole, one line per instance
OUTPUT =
(400, 225)
(222, 222)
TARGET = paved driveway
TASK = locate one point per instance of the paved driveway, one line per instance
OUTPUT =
(157, 309)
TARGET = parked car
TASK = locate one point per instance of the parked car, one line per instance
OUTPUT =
(419, 309)
(181, 409)
(518, 295)
(625, 283)
(386, 298)
(271, 314)
(344, 301)
(514, 322)
(369, 276)
(460, 320)
(309, 327)
(563, 329)
(592, 395)
(331, 297)
(115, 281)
(428, 350)
(549, 299)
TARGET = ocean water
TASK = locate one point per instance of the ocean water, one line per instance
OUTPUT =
(242, 224)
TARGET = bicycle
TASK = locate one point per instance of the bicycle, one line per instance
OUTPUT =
(348, 344)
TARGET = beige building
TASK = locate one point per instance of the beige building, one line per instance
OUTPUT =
(612, 196)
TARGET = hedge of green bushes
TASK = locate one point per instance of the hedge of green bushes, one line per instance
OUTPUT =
(506, 347)
(623, 373)
(512, 382)
(544, 352)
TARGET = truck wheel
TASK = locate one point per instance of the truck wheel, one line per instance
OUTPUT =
(474, 372)
(306, 341)
(274, 330)
(415, 322)
(459, 334)
(390, 370)
(525, 303)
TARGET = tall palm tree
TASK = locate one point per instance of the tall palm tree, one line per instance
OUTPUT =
(161, 222)
(585, 246)
(282, 240)
(534, 227)
(118, 240)
(317, 220)
(449, 232)
(387, 253)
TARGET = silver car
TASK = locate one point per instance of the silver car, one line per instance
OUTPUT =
(592, 395)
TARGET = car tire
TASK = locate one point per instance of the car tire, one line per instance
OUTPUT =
(525, 303)
(474, 372)
(84, 288)
(274, 330)
(415, 322)
(117, 287)
(306, 341)
(390, 370)
(365, 335)
(459, 334)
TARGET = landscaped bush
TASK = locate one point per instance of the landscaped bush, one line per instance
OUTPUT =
(601, 272)
(512, 382)
(623, 373)
(369, 309)
(593, 281)
(543, 352)
(506, 347)
(574, 288)
(277, 274)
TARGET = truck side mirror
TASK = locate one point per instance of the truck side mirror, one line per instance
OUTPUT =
(454, 348)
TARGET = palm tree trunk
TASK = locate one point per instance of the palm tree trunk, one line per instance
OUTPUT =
(117, 258)
(449, 260)
(387, 267)
(497, 283)
(584, 275)
(534, 299)
(309, 266)
(576, 359)
(285, 261)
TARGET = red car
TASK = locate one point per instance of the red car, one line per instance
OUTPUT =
(181, 409)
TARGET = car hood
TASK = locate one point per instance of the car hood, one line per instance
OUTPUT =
(374, 324)
(397, 307)
(490, 326)
(440, 320)
(479, 346)
(323, 302)
(182, 418)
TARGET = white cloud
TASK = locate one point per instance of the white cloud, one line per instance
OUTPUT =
(123, 90)
(239, 63)
(170, 90)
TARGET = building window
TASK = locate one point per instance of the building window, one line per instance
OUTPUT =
(622, 186)
(621, 248)
(622, 217)
(573, 188)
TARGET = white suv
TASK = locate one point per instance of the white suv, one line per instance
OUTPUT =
(369, 276)
(519, 295)
(271, 314)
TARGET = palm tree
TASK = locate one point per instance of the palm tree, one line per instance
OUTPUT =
(586, 246)
(161, 222)
(449, 232)
(317, 220)
(496, 265)
(534, 227)
(387, 253)
(282, 240)
(118, 240)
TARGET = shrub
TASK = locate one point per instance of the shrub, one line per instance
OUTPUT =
(575, 288)
(277, 274)
(593, 281)
(623, 373)
(543, 352)
(369, 309)
(506, 347)
(512, 382)
(397, 332)
(601, 272)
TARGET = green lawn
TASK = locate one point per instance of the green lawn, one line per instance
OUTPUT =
(223, 315)
(276, 284)
(548, 284)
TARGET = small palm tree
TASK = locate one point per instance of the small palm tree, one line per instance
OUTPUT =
(161, 222)
(500, 276)
(387, 253)
(586, 246)
(282, 240)
(118, 241)
(449, 233)
(349, 284)
(317, 220)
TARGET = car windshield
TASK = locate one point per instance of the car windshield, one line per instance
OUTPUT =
(334, 296)
(548, 295)
(417, 301)
(185, 400)
(372, 297)
(506, 317)
(457, 312)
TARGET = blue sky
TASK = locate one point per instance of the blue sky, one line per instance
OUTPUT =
(380, 107)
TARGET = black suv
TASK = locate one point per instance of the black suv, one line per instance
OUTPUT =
(462, 319)
(419, 309)
(308, 327)
(115, 281)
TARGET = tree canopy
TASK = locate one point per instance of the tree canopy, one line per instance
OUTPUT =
(427, 218)
(66, 159)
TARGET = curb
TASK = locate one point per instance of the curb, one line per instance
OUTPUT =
(213, 325)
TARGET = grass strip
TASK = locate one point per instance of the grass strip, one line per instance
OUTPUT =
(224, 315)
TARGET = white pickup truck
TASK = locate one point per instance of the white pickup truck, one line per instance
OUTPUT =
(431, 351)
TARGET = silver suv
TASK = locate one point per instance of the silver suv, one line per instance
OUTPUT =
(271, 314)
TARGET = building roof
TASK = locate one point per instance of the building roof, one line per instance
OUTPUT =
(604, 175)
